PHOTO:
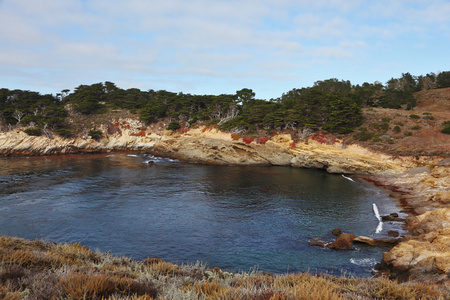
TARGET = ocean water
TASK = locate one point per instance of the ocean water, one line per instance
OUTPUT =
(237, 218)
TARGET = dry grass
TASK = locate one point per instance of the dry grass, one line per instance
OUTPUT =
(390, 130)
(42, 270)
(395, 132)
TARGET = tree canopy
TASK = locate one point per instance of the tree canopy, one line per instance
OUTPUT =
(331, 105)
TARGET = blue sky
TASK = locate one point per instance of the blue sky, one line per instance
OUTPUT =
(215, 47)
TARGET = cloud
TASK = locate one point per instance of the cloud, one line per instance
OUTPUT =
(185, 43)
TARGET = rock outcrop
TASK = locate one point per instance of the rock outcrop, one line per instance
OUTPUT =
(343, 242)
(208, 145)
(427, 252)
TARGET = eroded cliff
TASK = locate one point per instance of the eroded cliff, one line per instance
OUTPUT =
(209, 145)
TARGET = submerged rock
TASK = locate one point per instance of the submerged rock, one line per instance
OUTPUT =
(376, 242)
(392, 217)
(336, 232)
(318, 242)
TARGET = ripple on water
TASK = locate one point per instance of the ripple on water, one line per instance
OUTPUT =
(231, 217)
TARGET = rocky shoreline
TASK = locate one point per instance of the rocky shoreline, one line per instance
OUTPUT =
(421, 185)
(424, 194)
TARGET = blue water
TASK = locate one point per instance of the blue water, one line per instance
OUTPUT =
(236, 218)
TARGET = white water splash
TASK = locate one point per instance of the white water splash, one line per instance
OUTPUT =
(365, 262)
(348, 178)
(377, 214)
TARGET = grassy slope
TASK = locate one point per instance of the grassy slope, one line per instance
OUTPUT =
(42, 270)
(411, 136)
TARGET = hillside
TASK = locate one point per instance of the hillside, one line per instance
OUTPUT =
(414, 132)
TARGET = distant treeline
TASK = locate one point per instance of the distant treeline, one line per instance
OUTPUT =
(331, 105)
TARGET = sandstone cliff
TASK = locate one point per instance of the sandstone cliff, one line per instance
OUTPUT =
(208, 145)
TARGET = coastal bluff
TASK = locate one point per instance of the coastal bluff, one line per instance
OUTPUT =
(207, 145)
(420, 184)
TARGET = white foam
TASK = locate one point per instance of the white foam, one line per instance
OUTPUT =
(348, 178)
(377, 214)
(365, 262)
(375, 210)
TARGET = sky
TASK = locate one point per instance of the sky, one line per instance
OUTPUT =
(218, 47)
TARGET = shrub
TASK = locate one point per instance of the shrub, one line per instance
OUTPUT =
(413, 116)
(363, 136)
(140, 133)
(446, 130)
(65, 133)
(417, 127)
(263, 140)
(428, 116)
(376, 139)
(397, 129)
(374, 126)
(408, 133)
(386, 120)
(235, 136)
(95, 134)
(384, 126)
(247, 139)
(174, 125)
(33, 131)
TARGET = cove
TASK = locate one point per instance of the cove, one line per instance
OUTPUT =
(233, 217)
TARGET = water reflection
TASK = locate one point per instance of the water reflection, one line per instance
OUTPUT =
(235, 217)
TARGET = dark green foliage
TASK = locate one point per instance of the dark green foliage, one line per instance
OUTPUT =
(443, 80)
(344, 115)
(363, 135)
(397, 98)
(65, 133)
(33, 131)
(331, 105)
(446, 128)
(417, 127)
(384, 127)
(95, 134)
(174, 125)
(30, 107)
(408, 133)
(397, 129)
(87, 98)
(414, 116)
(427, 116)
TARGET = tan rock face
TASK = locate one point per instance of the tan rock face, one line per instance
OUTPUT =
(209, 146)
(428, 252)
(429, 221)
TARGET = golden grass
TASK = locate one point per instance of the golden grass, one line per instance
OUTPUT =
(42, 270)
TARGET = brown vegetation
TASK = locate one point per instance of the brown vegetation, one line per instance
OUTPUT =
(409, 132)
(44, 270)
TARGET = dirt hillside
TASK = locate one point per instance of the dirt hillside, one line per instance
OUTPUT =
(414, 132)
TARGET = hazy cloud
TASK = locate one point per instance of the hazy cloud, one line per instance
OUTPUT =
(266, 45)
